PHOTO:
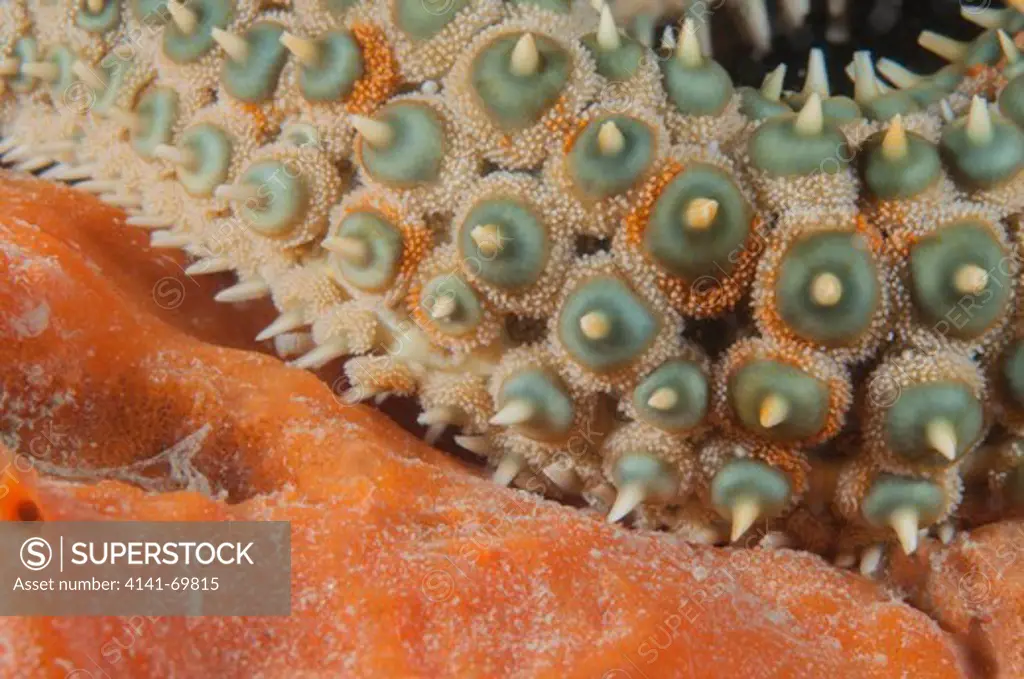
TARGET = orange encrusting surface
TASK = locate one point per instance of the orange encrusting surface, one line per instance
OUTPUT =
(404, 563)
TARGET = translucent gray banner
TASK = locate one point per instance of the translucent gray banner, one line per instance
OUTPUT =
(145, 568)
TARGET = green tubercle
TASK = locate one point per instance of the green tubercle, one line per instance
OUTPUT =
(548, 411)
(837, 110)
(301, 135)
(933, 417)
(890, 493)
(827, 289)
(885, 106)
(678, 236)
(452, 305)
(1011, 100)
(339, 66)
(150, 12)
(254, 79)
(114, 71)
(377, 267)
(748, 480)
(792, 404)
(107, 19)
(902, 168)
(599, 170)
(1011, 372)
(24, 50)
(619, 64)
(157, 113)
(779, 149)
(414, 154)
(64, 59)
(658, 479)
(185, 48)
(516, 101)
(604, 326)
(674, 397)
(505, 242)
(211, 148)
(983, 50)
(423, 19)
(756, 106)
(983, 162)
(697, 89)
(960, 279)
(282, 198)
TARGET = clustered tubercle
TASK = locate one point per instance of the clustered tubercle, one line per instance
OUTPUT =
(620, 277)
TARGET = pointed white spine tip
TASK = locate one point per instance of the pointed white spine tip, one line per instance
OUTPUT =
(1008, 46)
(700, 213)
(982, 16)
(525, 60)
(607, 32)
(286, 322)
(375, 133)
(773, 411)
(99, 186)
(940, 45)
(628, 498)
(826, 289)
(168, 240)
(33, 164)
(122, 200)
(771, 87)
(183, 17)
(150, 221)
(234, 45)
(811, 119)
(870, 560)
(321, 355)
(44, 70)
(88, 76)
(442, 415)
(946, 111)
(516, 411)
(353, 250)
(688, 50)
(745, 511)
(443, 308)
(817, 75)
(904, 522)
(236, 192)
(508, 469)
(94, 6)
(595, 325)
(897, 74)
(71, 172)
(946, 533)
(865, 83)
(305, 50)
(979, 122)
(663, 398)
(208, 265)
(941, 436)
(487, 238)
(19, 153)
(475, 444)
(668, 39)
(610, 141)
(970, 279)
(243, 292)
(177, 156)
(895, 144)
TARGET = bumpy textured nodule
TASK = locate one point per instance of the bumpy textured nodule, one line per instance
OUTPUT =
(618, 276)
